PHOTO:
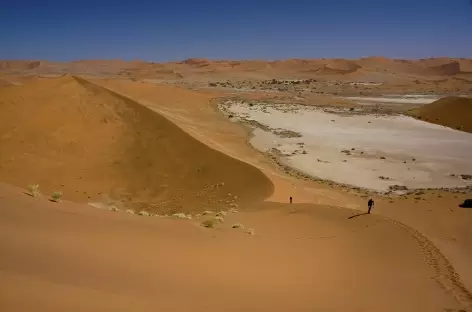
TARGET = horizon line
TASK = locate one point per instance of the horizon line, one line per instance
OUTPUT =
(235, 59)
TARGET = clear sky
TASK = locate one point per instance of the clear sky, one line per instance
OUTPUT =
(65, 30)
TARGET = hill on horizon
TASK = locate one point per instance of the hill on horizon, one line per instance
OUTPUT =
(248, 69)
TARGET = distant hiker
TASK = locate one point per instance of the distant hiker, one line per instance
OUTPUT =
(290, 199)
(370, 203)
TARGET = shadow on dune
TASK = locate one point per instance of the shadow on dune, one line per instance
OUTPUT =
(466, 204)
(358, 215)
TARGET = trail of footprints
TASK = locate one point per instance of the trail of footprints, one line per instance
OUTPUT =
(445, 274)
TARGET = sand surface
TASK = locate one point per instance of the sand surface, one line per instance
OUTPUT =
(453, 112)
(321, 253)
(93, 144)
(417, 154)
(85, 259)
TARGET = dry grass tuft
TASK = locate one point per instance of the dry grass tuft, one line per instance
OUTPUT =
(56, 197)
(33, 190)
(251, 231)
(209, 223)
(181, 215)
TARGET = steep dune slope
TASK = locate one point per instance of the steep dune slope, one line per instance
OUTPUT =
(69, 135)
(453, 112)
(448, 69)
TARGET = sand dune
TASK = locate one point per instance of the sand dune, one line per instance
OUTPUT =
(93, 139)
(19, 65)
(197, 62)
(448, 69)
(69, 135)
(334, 71)
(453, 112)
(85, 259)
(251, 69)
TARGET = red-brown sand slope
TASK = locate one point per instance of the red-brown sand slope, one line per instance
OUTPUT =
(67, 257)
(453, 112)
(69, 135)
(195, 68)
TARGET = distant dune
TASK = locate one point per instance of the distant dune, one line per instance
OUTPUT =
(19, 65)
(69, 135)
(453, 112)
(339, 68)
(251, 69)
(449, 69)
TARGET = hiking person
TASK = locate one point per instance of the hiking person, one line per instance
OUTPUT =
(290, 199)
(370, 203)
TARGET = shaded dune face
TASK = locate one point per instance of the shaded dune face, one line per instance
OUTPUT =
(67, 134)
(449, 69)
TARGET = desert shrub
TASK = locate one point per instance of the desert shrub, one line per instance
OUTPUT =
(144, 213)
(130, 211)
(33, 190)
(251, 231)
(237, 226)
(56, 196)
(221, 213)
(219, 219)
(233, 209)
(209, 223)
(181, 215)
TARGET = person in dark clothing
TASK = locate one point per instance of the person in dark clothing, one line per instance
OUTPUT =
(370, 203)
(290, 199)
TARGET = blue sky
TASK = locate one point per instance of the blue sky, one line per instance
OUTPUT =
(238, 29)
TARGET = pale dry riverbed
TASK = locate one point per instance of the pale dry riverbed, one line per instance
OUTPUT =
(367, 151)
(403, 99)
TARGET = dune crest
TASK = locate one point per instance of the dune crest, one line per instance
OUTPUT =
(67, 134)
